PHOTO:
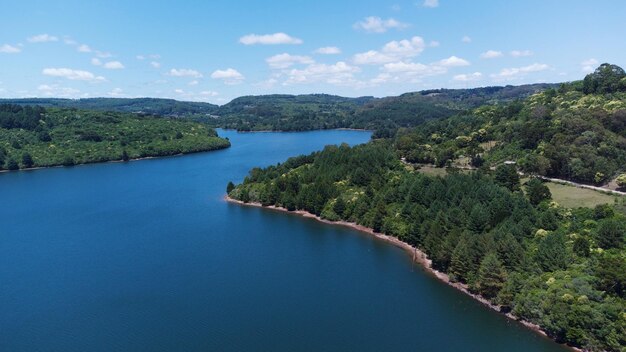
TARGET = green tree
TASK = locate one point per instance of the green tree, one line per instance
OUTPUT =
(552, 252)
(339, 207)
(611, 233)
(611, 271)
(125, 156)
(605, 79)
(507, 176)
(621, 180)
(230, 187)
(537, 192)
(581, 247)
(12, 164)
(27, 160)
(491, 276)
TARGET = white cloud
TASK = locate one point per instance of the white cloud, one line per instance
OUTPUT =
(491, 54)
(195, 82)
(69, 41)
(453, 61)
(155, 64)
(589, 65)
(515, 72)
(468, 77)
(339, 73)
(103, 54)
(374, 24)
(55, 90)
(185, 72)
(116, 92)
(140, 57)
(521, 53)
(209, 93)
(431, 3)
(113, 65)
(9, 49)
(392, 51)
(42, 38)
(228, 76)
(466, 39)
(269, 39)
(433, 44)
(96, 62)
(328, 50)
(75, 75)
(285, 60)
(84, 48)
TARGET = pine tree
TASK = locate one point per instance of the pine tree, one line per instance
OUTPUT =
(491, 276)
(552, 253)
(611, 233)
(339, 207)
(230, 187)
(27, 160)
(537, 192)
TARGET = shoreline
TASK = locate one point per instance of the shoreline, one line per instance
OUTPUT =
(417, 256)
(113, 161)
(314, 130)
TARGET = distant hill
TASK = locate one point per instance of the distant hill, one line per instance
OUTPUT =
(321, 111)
(147, 106)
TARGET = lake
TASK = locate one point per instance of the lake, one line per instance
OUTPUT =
(146, 256)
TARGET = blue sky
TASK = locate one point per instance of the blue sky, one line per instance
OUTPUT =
(217, 50)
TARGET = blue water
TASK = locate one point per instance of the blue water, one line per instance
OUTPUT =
(146, 256)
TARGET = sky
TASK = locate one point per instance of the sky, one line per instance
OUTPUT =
(215, 51)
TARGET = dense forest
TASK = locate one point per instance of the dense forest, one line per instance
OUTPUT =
(576, 132)
(321, 111)
(142, 106)
(37, 136)
(563, 269)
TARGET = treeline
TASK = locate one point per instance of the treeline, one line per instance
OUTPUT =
(38, 137)
(576, 132)
(564, 269)
(145, 106)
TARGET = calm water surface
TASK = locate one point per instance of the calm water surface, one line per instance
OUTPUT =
(145, 256)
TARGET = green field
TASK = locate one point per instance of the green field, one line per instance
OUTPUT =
(574, 197)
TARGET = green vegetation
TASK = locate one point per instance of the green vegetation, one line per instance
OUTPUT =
(574, 197)
(142, 106)
(561, 268)
(320, 111)
(38, 137)
(575, 132)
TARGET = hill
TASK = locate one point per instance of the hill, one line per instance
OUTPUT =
(39, 137)
(145, 106)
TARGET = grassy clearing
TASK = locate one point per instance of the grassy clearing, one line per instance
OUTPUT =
(574, 197)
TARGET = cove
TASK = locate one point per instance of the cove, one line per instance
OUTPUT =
(146, 256)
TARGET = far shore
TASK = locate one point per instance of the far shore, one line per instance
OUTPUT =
(417, 255)
(282, 131)
(112, 161)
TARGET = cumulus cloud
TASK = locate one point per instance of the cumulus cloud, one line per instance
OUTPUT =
(468, 77)
(84, 48)
(589, 65)
(374, 24)
(520, 53)
(228, 76)
(466, 39)
(9, 49)
(453, 61)
(195, 82)
(116, 92)
(431, 3)
(209, 93)
(269, 39)
(55, 90)
(184, 72)
(339, 73)
(42, 38)
(392, 51)
(74, 75)
(96, 62)
(328, 50)
(113, 65)
(155, 64)
(491, 54)
(515, 72)
(285, 60)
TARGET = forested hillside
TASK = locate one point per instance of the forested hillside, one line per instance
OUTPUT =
(563, 269)
(37, 136)
(575, 132)
(145, 106)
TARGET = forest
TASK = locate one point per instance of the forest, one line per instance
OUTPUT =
(39, 137)
(575, 132)
(507, 240)
(563, 269)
